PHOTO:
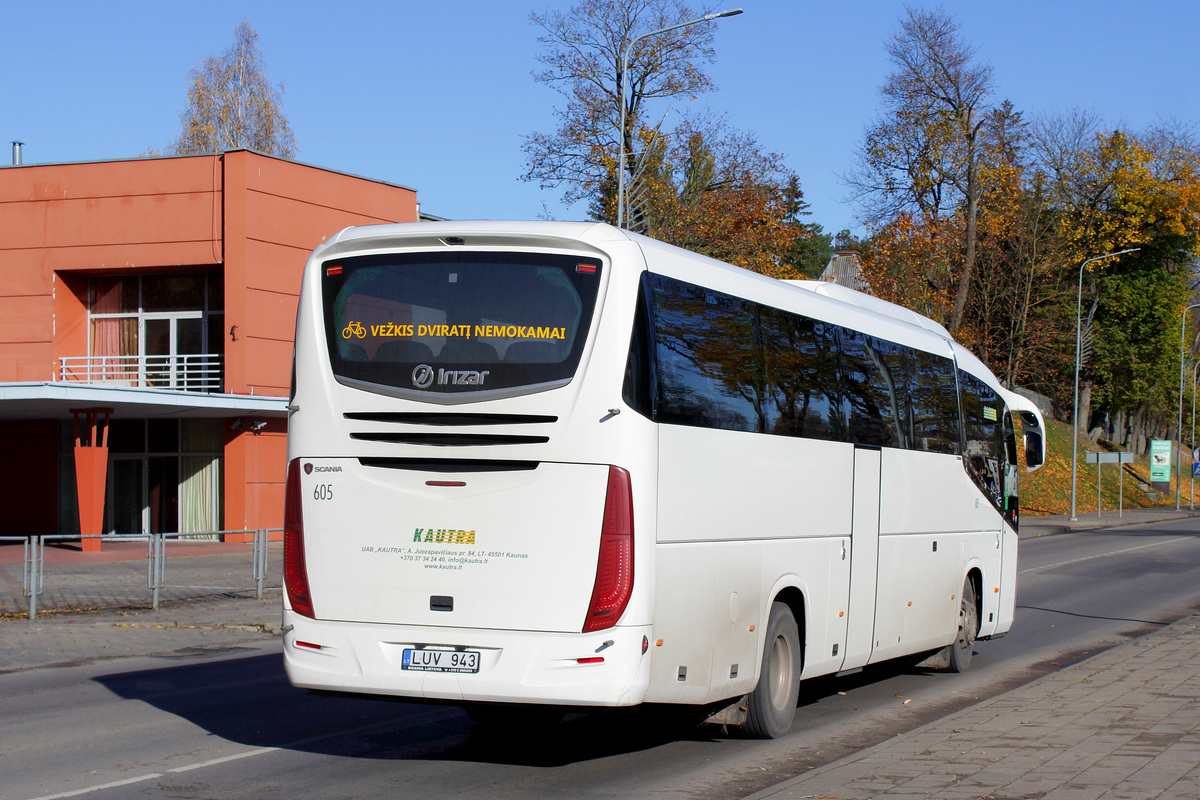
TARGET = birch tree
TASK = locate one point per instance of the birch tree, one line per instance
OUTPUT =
(231, 104)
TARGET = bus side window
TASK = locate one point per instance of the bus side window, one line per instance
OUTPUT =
(1011, 487)
(800, 364)
(639, 390)
(933, 393)
(983, 416)
(866, 404)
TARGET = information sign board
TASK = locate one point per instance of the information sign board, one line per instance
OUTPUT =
(1160, 461)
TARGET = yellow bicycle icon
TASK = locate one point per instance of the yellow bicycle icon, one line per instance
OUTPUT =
(354, 329)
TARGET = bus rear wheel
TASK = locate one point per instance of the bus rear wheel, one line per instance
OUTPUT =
(968, 627)
(773, 701)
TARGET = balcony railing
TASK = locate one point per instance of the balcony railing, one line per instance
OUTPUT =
(184, 373)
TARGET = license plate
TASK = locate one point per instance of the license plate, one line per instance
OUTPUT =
(440, 660)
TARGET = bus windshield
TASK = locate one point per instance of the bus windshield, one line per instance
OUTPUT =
(457, 323)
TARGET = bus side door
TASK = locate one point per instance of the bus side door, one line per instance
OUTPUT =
(864, 557)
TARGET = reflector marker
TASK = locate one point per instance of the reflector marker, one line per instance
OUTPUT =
(445, 483)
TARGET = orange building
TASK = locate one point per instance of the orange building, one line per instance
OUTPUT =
(158, 295)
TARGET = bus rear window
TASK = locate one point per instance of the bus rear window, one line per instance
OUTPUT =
(454, 323)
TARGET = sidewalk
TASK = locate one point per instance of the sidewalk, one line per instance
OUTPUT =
(1123, 724)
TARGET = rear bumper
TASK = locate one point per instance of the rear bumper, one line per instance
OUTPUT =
(515, 666)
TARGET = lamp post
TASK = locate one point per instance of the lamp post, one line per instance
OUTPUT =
(622, 84)
(1192, 439)
(1179, 426)
(1078, 333)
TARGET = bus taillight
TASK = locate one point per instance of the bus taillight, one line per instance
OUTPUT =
(295, 573)
(614, 569)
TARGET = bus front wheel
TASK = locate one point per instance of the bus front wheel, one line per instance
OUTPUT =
(773, 701)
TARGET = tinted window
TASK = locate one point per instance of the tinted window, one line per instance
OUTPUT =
(866, 396)
(458, 322)
(895, 370)
(801, 369)
(985, 454)
(933, 394)
(708, 359)
(639, 389)
(704, 358)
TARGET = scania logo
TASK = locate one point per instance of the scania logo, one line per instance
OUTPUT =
(422, 376)
(308, 469)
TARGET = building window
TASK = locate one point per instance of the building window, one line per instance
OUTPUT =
(162, 331)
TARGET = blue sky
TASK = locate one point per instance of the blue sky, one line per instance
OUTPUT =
(438, 95)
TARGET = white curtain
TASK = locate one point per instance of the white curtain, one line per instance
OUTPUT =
(199, 483)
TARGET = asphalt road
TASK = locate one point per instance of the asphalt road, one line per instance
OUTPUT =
(222, 722)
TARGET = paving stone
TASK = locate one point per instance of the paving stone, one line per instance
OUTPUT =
(1130, 732)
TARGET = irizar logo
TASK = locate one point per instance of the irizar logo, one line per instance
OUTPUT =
(424, 376)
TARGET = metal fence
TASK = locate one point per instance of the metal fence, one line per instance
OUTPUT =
(107, 580)
(200, 372)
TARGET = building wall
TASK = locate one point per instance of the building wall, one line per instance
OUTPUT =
(276, 212)
(59, 222)
(253, 216)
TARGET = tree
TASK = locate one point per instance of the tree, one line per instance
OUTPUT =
(921, 157)
(582, 59)
(700, 184)
(716, 192)
(231, 104)
(1110, 191)
(811, 252)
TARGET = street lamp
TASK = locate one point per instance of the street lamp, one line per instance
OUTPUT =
(1179, 427)
(621, 87)
(1078, 333)
(1192, 439)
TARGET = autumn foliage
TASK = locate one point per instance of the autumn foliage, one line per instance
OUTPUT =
(231, 104)
(693, 180)
(1046, 199)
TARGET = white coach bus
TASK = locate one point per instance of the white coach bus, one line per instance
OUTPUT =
(560, 465)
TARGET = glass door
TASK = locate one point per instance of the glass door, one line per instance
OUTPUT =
(126, 510)
(171, 343)
(162, 493)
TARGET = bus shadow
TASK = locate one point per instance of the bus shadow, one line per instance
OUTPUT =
(248, 701)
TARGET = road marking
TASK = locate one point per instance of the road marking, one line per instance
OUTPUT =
(98, 787)
(1104, 555)
(412, 721)
(234, 757)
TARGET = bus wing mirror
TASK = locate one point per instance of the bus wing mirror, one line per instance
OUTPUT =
(1035, 442)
